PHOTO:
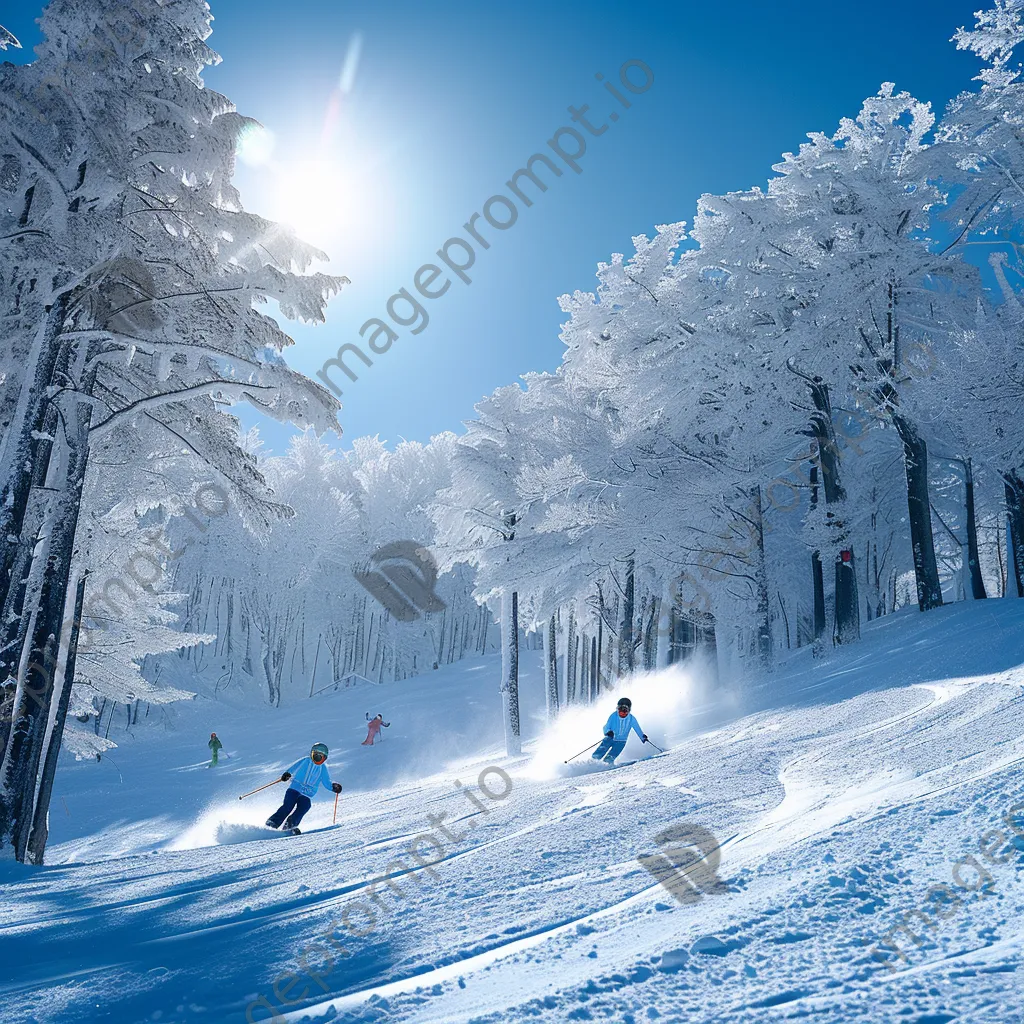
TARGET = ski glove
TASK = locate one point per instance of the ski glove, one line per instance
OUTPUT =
(286, 776)
(336, 786)
(645, 737)
(610, 734)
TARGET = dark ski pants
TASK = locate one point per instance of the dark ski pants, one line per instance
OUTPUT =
(294, 808)
(608, 750)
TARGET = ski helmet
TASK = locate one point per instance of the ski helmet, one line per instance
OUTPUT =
(319, 753)
(625, 702)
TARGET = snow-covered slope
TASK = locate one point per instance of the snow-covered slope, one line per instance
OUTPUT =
(841, 793)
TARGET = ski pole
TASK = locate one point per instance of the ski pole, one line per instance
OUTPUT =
(267, 786)
(336, 795)
(574, 756)
(656, 747)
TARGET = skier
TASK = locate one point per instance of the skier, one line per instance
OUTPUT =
(306, 775)
(374, 730)
(616, 732)
(215, 745)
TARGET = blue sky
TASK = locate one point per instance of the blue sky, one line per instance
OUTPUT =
(449, 99)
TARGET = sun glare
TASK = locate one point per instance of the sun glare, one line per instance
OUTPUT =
(311, 197)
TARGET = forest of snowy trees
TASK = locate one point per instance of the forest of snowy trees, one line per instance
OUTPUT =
(792, 417)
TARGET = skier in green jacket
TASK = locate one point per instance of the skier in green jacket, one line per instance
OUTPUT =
(215, 745)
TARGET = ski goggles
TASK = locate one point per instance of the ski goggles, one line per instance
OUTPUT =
(318, 756)
(623, 710)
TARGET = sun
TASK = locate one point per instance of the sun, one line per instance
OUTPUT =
(311, 197)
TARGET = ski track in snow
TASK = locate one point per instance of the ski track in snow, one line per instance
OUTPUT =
(840, 791)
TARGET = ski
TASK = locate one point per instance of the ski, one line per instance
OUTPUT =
(636, 760)
(307, 831)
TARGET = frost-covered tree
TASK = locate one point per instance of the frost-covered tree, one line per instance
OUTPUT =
(132, 278)
(290, 615)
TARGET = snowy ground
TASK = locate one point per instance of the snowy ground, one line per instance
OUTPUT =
(840, 793)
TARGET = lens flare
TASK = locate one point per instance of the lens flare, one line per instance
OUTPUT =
(255, 146)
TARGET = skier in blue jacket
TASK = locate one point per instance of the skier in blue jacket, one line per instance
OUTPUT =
(306, 776)
(616, 732)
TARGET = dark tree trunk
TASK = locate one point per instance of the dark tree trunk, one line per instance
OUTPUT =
(23, 447)
(580, 689)
(40, 822)
(483, 632)
(915, 458)
(626, 648)
(765, 645)
(570, 667)
(584, 668)
(683, 640)
(510, 656)
(21, 551)
(1013, 489)
(551, 668)
(707, 640)
(973, 560)
(817, 576)
(510, 672)
(847, 623)
(847, 628)
(651, 636)
(595, 685)
(847, 610)
(19, 773)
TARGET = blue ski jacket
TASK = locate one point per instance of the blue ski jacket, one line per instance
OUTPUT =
(306, 776)
(621, 726)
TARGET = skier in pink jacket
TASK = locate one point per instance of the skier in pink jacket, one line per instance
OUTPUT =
(374, 730)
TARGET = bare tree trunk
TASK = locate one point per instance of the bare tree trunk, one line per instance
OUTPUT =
(584, 665)
(25, 445)
(570, 668)
(977, 583)
(551, 669)
(785, 619)
(1002, 564)
(25, 568)
(486, 625)
(19, 773)
(765, 644)
(847, 603)
(915, 458)
(316, 660)
(55, 734)
(650, 635)
(510, 671)
(1013, 489)
(626, 648)
(664, 626)
(817, 575)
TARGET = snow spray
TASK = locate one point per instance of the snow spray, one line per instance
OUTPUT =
(359, 918)
(662, 703)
